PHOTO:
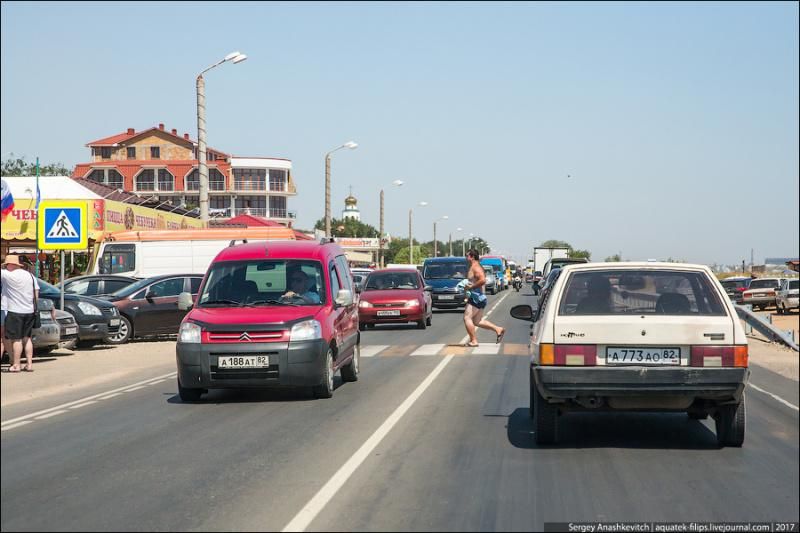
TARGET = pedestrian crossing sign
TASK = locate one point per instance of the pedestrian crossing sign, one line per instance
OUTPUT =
(63, 225)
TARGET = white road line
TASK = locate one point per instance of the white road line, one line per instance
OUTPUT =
(110, 396)
(50, 415)
(778, 398)
(372, 351)
(18, 424)
(307, 514)
(76, 402)
(84, 404)
(135, 388)
(428, 349)
(486, 349)
(159, 381)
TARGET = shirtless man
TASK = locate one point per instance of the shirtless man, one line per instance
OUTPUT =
(473, 316)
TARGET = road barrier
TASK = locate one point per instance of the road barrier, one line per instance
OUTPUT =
(765, 327)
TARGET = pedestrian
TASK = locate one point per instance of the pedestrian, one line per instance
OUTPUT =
(21, 290)
(6, 346)
(476, 301)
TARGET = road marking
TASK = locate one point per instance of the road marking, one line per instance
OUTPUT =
(110, 396)
(18, 424)
(307, 514)
(159, 381)
(486, 349)
(372, 351)
(9, 424)
(135, 388)
(84, 404)
(778, 398)
(49, 415)
(428, 349)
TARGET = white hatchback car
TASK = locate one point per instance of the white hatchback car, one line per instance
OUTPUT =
(637, 337)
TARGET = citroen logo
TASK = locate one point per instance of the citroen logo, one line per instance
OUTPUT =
(244, 337)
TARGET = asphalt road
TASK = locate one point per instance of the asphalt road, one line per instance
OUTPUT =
(440, 440)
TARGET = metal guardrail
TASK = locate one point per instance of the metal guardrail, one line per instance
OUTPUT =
(765, 327)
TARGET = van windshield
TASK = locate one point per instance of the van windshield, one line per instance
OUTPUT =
(449, 270)
(263, 282)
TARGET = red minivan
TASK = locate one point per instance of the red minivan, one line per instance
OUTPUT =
(270, 314)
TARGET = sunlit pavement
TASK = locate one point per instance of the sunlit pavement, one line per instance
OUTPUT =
(129, 455)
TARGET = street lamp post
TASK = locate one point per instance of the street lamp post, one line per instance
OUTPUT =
(236, 57)
(352, 146)
(410, 235)
(435, 242)
(396, 183)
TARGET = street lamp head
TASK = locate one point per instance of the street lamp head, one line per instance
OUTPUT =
(445, 217)
(232, 55)
(239, 58)
(423, 204)
(350, 144)
(398, 183)
(459, 229)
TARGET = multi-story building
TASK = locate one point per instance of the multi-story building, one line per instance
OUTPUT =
(164, 164)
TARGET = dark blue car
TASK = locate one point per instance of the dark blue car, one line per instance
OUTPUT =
(443, 274)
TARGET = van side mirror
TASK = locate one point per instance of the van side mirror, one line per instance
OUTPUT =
(522, 312)
(185, 301)
(344, 298)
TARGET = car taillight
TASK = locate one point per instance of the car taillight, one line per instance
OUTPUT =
(568, 354)
(741, 289)
(719, 356)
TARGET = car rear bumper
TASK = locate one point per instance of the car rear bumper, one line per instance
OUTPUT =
(719, 385)
(439, 303)
(291, 364)
(759, 300)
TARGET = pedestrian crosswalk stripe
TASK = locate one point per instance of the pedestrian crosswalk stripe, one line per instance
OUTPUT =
(428, 349)
(486, 349)
(371, 351)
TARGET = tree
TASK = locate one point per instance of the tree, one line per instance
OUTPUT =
(18, 166)
(420, 253)
(348, 228)
(614, 258)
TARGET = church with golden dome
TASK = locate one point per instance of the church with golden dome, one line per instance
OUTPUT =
(351, 208)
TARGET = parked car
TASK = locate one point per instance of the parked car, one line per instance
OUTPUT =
(735, 286)
(97, 285)
(637, 337)
(69, 329)
(547, 283)
(46, 338)
(786, 298)
(491, 280)
(393, 296)
(761, 292)
(558, 262)
(149, 307)
(270, 314)
(96, 318)
(443, 275)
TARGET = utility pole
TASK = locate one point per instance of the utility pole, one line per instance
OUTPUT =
(380, 237)
(450, 240)
(410, 240)
(751, 261)
(328, 195)
(435, 244)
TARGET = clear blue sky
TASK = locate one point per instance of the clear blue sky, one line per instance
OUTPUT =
(677, 122)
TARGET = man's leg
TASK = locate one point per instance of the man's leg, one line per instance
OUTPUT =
(16, 353)
(27, 343)
(469, 324)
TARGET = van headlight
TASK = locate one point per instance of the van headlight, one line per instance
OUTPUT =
(306, 331)
(189, 333)
(89, 309)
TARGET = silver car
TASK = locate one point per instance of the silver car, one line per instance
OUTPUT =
(491, 280)
(46, 338)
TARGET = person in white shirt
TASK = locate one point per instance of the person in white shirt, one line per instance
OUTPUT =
(21, 290)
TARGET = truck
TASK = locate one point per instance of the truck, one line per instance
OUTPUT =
(142, 254)
(543, 255)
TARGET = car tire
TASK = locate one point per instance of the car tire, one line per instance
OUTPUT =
(124, 334)
(350, 371)
(325, 389)
(370, 326)
(421, 324)
(362, 327)
(189, 395)
(730, 424)
(545, 416)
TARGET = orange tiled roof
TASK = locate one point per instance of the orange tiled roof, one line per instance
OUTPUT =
(122, 137)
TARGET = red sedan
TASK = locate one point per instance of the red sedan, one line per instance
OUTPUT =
(395, 296)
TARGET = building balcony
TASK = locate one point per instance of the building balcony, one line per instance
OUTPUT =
(212, 185)
(263, 212)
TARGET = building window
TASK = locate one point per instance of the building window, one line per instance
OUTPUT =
(97, 175)
(155, 152)
(277, 180)
(277, 206)
(105, 152)
(115, 179)
(131, 152)
(219, 202)
(146, 180)
(216, 181)
(192, 181)
(249, 179)
(166, 181)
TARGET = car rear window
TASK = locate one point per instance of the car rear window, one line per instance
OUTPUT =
(735, 284)
(620, 292)
(764, 284)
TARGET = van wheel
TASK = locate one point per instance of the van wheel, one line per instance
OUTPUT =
(189, 395)
(730, 422)
(124, 334)
(325, 389)
(350, 371)
(545, 416)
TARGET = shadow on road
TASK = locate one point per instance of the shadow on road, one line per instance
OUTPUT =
(616, 430)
